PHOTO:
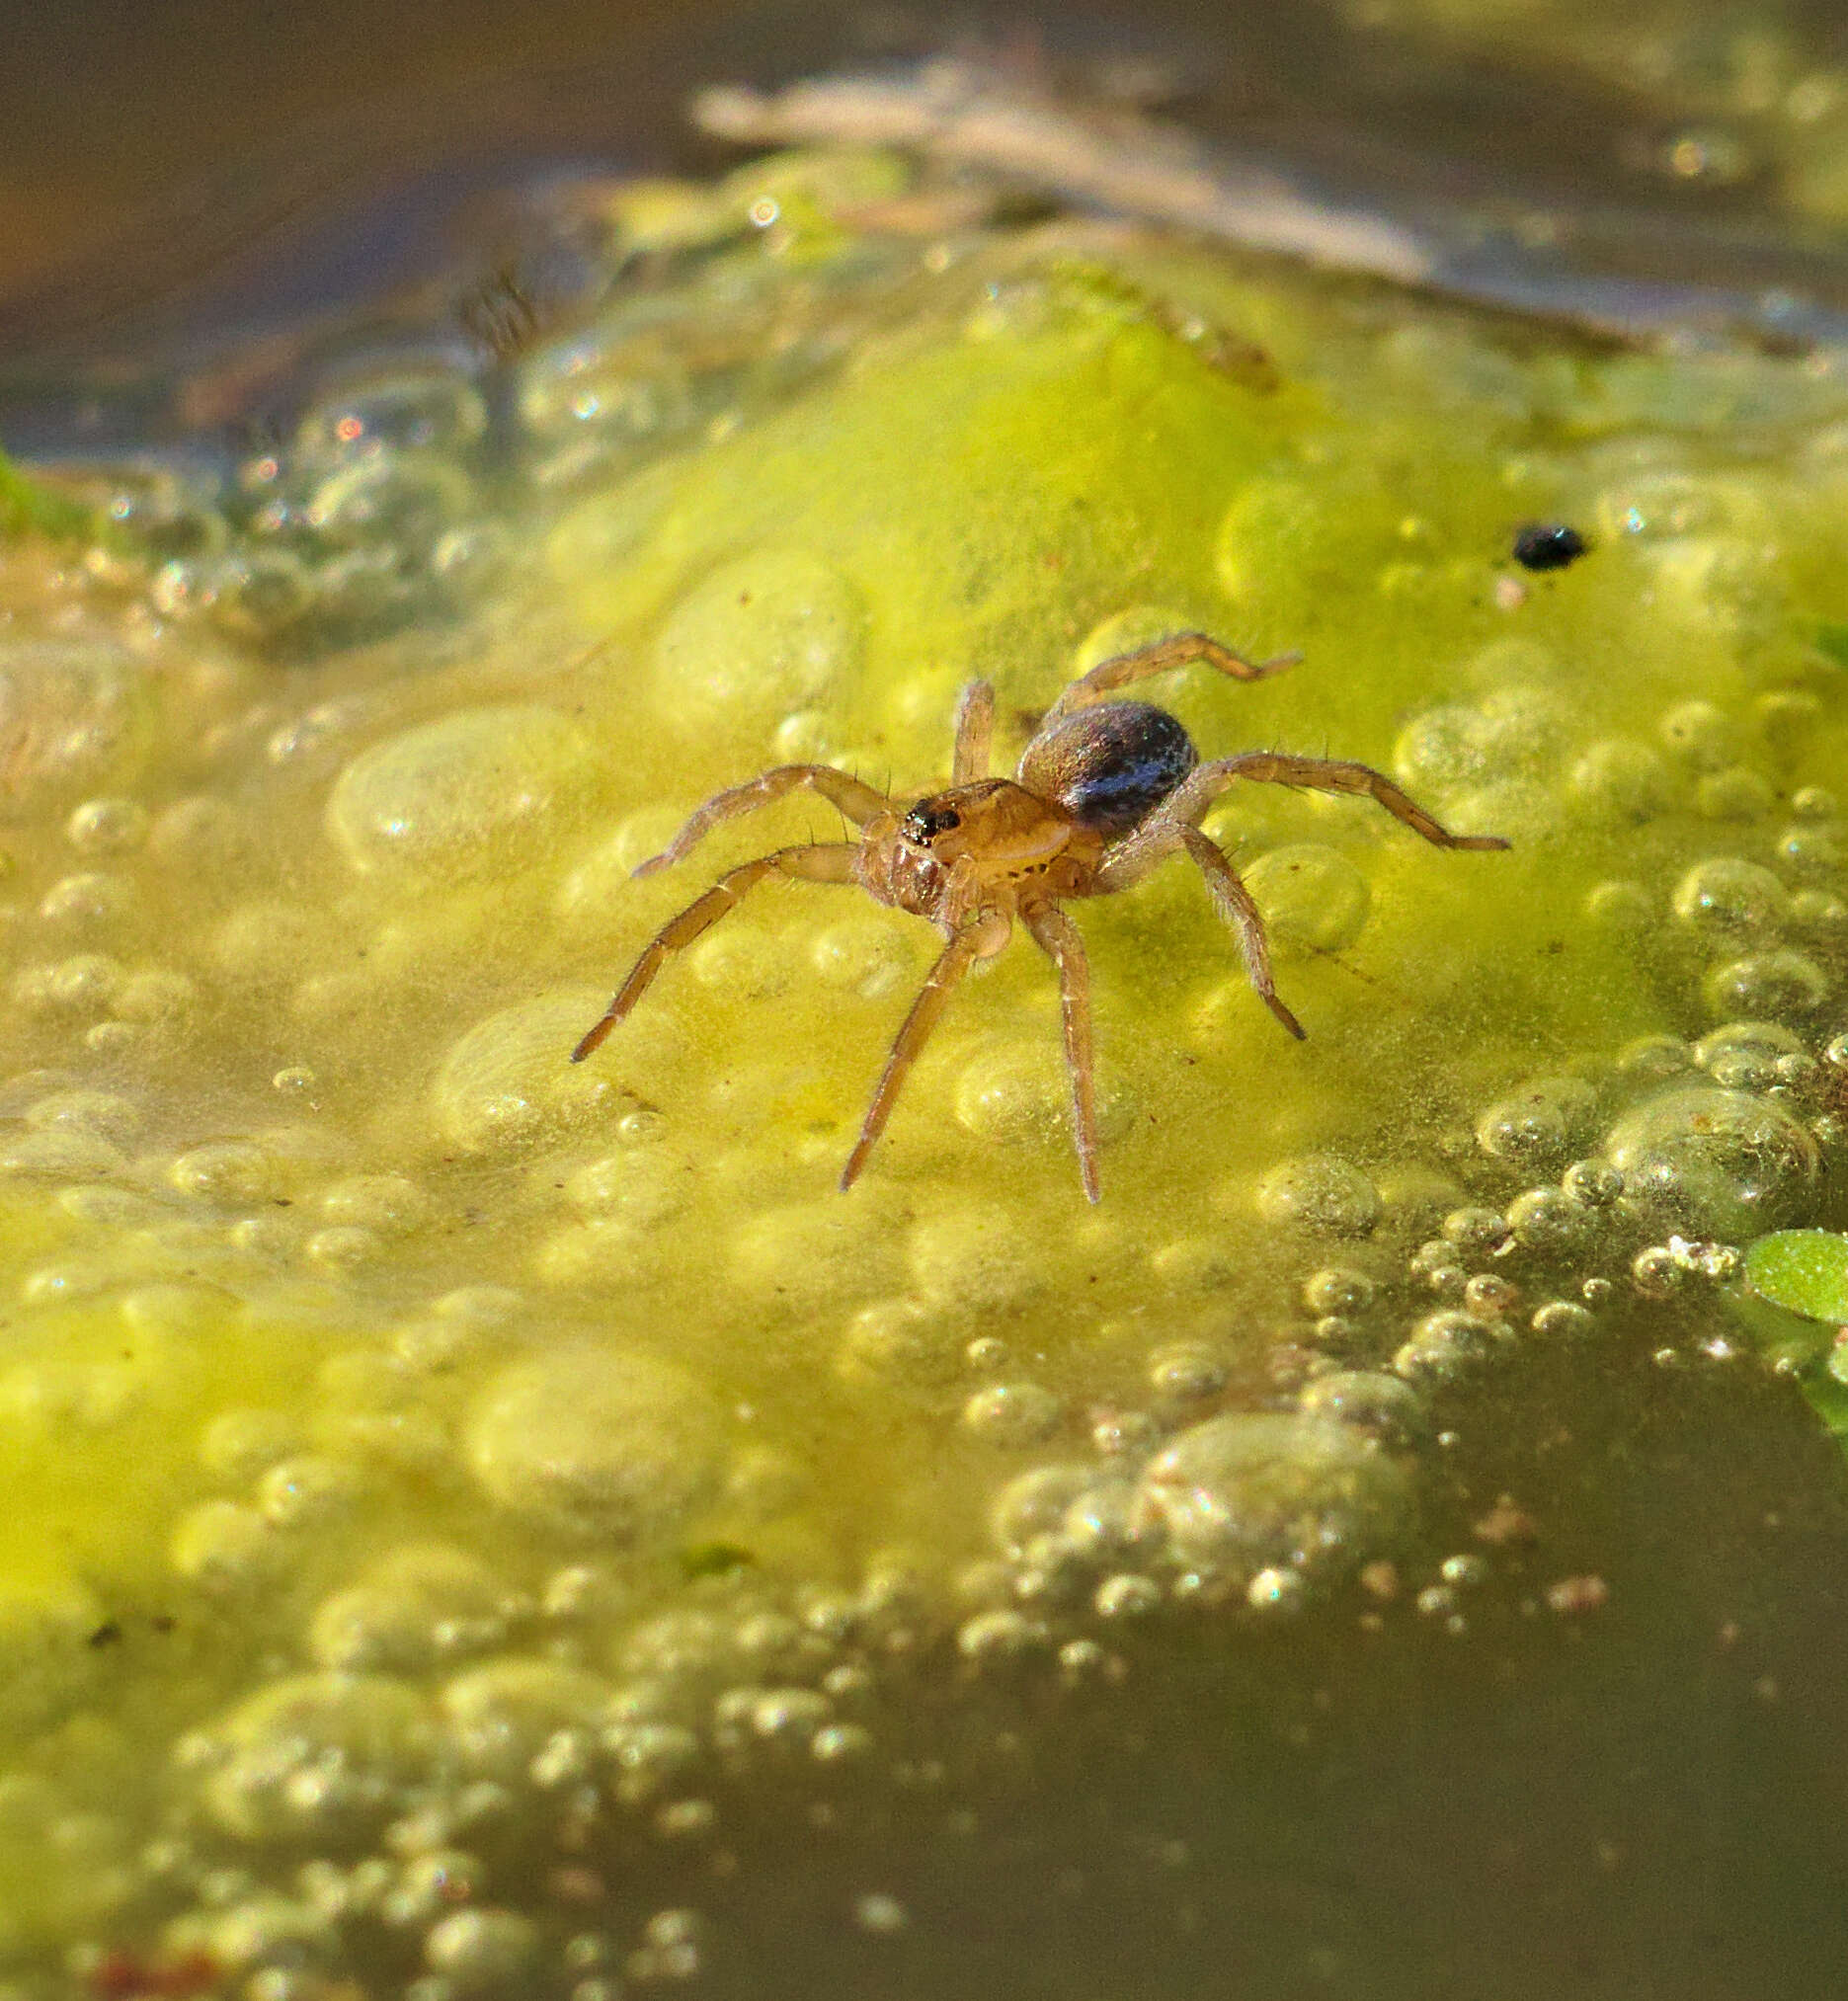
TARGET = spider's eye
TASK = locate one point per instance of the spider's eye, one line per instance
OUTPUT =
(924, 822)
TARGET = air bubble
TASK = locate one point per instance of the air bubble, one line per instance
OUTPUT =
(1542, 1121)
(1320, 1194)
(1549, 1221)
(1312, 897)
(617, 1445)
(1622, 781)
(1262, 1489)
(1445, 1345)
(1725, 1164)
(771, 632)
(477, 792)
(316, 1758)
(510, 1079)
(1780, 983)
(1698, 734)
(1730, 896)
(1012, 1414)
(1382, 1407)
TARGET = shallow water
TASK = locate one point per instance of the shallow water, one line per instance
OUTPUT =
(514, 1527)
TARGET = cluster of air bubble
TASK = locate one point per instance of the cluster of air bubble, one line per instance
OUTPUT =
(446, 1791)
(668, 313)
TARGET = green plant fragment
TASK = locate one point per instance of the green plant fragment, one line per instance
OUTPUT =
(1804, 1271)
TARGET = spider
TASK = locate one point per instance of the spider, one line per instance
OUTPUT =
(1105, 790)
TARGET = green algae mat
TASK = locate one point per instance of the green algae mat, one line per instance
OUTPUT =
(480, 1524)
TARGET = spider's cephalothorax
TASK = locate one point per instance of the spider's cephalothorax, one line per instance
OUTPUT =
(1105, 791)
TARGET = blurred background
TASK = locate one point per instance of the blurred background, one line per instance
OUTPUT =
(218, 161)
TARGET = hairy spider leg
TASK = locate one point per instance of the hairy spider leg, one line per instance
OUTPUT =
(816, 861)
(856, 800)
(980, 938)
(975, 728)
(1161, 835)
(1180, 649)
(1235, 904)
(1058, 937)
(1191, 797)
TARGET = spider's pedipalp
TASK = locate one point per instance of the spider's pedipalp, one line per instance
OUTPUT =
(829, 861)
(980, 938)
(975, 729)
(1058, 937)
(855, 799)
(1318, 775)
(1179, 649)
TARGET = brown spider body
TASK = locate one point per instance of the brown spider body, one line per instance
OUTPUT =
(992, 846)
(1105, 792)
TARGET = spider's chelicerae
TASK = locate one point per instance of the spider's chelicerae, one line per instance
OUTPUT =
(1105, 791)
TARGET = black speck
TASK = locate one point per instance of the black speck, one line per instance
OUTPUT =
(108, 1634)
(1548, 545)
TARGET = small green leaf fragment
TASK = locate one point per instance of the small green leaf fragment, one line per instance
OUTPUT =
(713, 1559)
(1804, 1271)
(27, 508)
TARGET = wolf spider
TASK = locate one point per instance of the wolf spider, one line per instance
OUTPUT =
(1105, 791)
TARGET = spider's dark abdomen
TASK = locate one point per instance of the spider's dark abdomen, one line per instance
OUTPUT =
(1110, 766)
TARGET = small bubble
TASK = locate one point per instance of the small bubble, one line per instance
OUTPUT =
(1337, 1289)
(1445, 1343)
(880, 1914)
(1727, 896)
(1319, 1193)
(1655, 1272)
(995, 1636)
(1385, 1407)
(1186, 1373)
(1549, 1221)
(1593, 1183)
(1540, 1121)
(1563, 1320)
(1128, 1595)
(1698, 734)
(1489, 1294)
(1474, 1231)
(1773, 984)
(1275, 1590)
(1012, 1414)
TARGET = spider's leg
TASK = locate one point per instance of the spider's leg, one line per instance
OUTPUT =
(1136, 854)
(1058, 937)
(831, 861)
(1235, 905)
(1319, 775)
(1179, 649)
(980, 938)
(855, 799)
(975, 725)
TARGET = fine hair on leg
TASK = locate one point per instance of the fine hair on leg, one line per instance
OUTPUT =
(975, 730)
(1315, 774)
(1235, 904)
(1180, 649)
(980, 938)
(831, 861)
(856, 800)
(1058, 937)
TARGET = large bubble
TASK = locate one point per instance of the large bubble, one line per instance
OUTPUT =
(598, 1443)
(1719, 1161)
(1251, 1490)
